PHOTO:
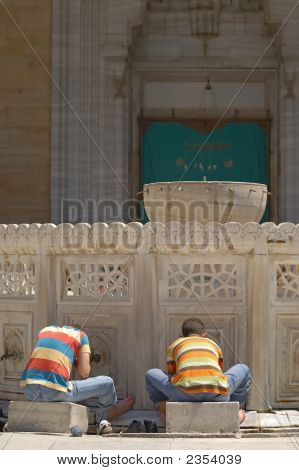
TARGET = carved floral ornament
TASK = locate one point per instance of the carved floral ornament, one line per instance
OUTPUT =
(13, 346)
(135, 237)
(290, 81)
(165, 5)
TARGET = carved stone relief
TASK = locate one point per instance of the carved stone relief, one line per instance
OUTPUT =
(14, 351)
(15, 346)
(287, 281)
(108, 338)
(166, 5)
(294, 359)
(251, 5)
(96, 280)
(17, 278)
(205, 17)
(207, 280)
(103, 345)
(287, 357)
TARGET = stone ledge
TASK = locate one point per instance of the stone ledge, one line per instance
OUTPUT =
(134, 237)
(25, 416)
(202, 417)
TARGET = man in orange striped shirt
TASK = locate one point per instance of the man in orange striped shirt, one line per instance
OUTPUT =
(194, 364)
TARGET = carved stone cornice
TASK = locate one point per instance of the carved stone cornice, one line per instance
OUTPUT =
(203, 64)
(174, 237)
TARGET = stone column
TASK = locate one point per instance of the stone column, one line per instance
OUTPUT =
(66, 89)
(259, 333)
(45, 292)
(145, 297)
(90, 148)
(289, 166)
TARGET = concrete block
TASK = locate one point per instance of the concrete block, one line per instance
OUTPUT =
(202, 417)
(26, 416)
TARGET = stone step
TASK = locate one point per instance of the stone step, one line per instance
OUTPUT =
(274, 420)
(26, 416)
(204, 417)
(252, 420)
(293, 417)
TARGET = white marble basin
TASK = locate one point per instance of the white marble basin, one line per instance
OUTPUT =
(205, 201)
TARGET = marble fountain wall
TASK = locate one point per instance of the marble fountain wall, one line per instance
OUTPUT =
(243, 281)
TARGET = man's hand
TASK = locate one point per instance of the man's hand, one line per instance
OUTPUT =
(84, 364)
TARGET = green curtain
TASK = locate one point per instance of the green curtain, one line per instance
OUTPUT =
(235, 152)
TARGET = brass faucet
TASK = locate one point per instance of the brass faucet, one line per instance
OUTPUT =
(95, 357)
(13, 355)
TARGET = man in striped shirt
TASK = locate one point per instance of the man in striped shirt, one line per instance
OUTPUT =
(194, 366)
(47, 374)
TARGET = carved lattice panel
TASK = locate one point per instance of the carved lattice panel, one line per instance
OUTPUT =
(17, 278)
(287, 280)
(287, 357)
(90, 279)
(207, 280)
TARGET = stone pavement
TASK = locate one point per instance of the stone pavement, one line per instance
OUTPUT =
(260, 431)
(276, 419)
(27, 441)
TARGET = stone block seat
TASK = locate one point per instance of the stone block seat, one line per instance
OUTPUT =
(202, 417)
(26, 416)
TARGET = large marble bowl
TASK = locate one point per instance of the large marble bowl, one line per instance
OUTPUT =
(205, 201)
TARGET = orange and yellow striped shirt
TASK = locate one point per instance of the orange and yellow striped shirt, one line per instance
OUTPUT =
(195, 364)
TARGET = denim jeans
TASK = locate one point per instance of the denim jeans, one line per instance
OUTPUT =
(160, 388)
(101, 388)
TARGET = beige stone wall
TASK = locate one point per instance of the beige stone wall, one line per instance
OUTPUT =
(25, 112)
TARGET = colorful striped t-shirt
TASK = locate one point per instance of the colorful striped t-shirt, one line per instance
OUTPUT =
(55, 351)
(195, 364)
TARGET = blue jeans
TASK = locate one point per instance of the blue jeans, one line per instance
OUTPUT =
(102, 388)
(160, 388)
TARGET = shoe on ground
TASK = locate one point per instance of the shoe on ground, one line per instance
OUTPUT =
(150, 426)
(136, 427)
(104, 427)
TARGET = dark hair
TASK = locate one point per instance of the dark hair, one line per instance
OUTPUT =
(193, 326)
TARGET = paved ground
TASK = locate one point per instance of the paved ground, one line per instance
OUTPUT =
(27, 441)
(284, 423)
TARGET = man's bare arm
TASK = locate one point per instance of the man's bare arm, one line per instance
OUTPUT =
(84, 364)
